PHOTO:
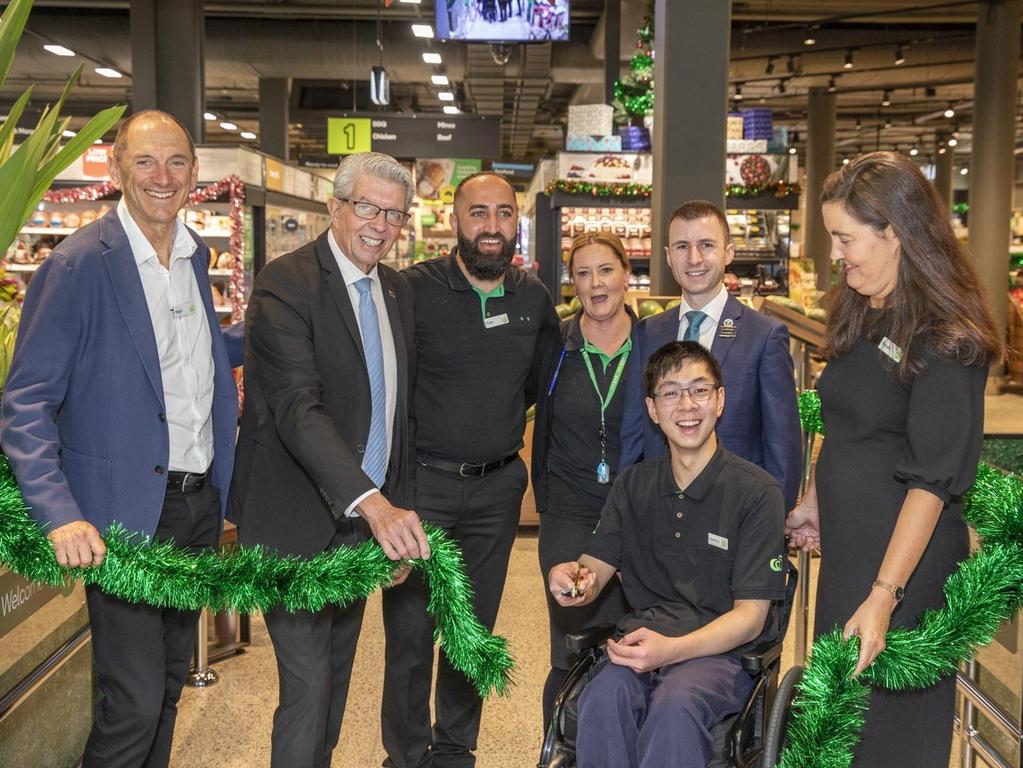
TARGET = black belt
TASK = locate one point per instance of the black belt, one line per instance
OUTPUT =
(187, 482)
(463, 468)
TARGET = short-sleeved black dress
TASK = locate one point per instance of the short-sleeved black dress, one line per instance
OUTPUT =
(884, 437)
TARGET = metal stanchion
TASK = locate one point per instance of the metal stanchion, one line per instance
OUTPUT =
(202, 674)
(803, 565)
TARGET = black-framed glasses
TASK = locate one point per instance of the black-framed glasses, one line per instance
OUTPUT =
(698, 393)
(365, 210)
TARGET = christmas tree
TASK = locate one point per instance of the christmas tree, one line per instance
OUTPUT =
(634, 93)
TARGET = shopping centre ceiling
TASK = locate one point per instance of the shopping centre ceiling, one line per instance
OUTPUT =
(918, 57)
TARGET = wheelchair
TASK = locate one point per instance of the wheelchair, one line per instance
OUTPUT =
(752, 738)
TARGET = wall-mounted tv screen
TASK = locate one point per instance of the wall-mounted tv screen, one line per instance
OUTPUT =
(502, 21)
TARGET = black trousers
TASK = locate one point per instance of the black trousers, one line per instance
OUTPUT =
(482, 515)
(142, 654)
(315, 652)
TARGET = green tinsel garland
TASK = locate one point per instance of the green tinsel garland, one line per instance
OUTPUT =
(985, 590)
(251, 579)
(635, 191)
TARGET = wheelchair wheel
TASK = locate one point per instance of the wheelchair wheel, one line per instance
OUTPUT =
(777, 723)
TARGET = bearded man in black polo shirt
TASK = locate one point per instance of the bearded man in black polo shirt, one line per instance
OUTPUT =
(477, 323)
(699, 539)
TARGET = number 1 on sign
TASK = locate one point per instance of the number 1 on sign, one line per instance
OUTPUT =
(349, 135)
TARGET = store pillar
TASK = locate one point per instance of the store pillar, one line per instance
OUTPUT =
(274, 99)
(820, 161)
(168, 60)
(943, 166)
(612, 47)
(690, 110)
(992, 161)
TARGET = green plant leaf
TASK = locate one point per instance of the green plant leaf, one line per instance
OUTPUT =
(92, 130)
(12, 24)
(7, 129)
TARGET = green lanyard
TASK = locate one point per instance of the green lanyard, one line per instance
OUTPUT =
(603, 470)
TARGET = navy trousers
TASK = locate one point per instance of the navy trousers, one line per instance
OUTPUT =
(664, 717)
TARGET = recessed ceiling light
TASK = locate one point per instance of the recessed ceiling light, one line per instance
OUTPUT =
(247, 135)
(446, 96)
(69, 134)
(451, 110)
(59, 50)
(229, 126)
(108, 72)
(845, 161)
(953, 141)
(738, 92)
(900, 59)
(914, 151)
(886, 99)
(792, 150)
(208, 116)
(941, 150)
(832, 84)
(431, 58)
(964, 171)
(848, 59)
(439, 79)
(949, 112)
(422, 30)
(809, 38)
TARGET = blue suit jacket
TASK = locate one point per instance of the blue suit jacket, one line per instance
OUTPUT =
(761, 420)
(84, 422)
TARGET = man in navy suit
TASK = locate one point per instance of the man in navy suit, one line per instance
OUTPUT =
(120, 407)
(761, 423)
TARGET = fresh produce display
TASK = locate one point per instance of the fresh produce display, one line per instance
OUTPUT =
(564, 310)
(649, 307)
(672, 304)
(786, 302)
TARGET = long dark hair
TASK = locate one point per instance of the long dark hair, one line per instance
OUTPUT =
(938, 306)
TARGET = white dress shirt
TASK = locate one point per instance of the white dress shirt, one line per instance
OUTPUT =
(183, 343)
(708, 327)
(352, 274)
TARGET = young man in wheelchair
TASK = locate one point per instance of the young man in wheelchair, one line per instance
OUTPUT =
(698, 537)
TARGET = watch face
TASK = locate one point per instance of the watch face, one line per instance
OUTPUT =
(899, 592)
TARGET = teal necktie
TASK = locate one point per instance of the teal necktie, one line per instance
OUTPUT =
(695, 318)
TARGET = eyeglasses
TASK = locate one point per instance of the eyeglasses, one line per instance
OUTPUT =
(365, 210)
(698, 393)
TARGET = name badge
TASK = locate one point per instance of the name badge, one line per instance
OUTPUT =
(184, 311)
(890, 348)
(717, 541)
(496, 320)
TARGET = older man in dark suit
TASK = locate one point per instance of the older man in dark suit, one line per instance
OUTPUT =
(761, 423)
(120, 407)
(325, 452)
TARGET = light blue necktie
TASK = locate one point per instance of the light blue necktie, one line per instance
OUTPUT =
(374, 462)
(695, 318)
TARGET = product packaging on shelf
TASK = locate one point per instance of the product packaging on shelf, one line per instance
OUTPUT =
(590, 120)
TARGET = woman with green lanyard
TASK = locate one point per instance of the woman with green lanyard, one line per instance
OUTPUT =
(576, 434)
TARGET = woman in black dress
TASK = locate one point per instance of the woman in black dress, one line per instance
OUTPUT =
(909, 341)
(576, 433)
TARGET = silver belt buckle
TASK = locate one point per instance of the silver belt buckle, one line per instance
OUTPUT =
(461, 469)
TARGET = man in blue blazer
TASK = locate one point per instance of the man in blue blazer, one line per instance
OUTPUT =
(761, 422)
(121, 407)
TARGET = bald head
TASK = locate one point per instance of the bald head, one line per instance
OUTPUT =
(144, 119)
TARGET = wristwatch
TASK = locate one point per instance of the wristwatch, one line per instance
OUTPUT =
(887, 586)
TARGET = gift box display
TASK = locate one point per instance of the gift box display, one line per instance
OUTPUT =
(746, 146)
(756, 123)
(590, 120)
(635, 138)
(593, 143)
(734, 127)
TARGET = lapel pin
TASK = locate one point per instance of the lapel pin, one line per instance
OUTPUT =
(727, 330)
(391, 293)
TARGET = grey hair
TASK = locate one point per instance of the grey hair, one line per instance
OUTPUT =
(375, 164)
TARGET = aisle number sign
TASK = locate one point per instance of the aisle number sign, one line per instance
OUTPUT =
(349, 135)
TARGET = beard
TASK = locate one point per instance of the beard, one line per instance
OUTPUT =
(486, 266)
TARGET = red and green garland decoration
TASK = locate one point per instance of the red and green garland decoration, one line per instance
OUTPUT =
(634, 93)
(635, 191)
(253, 579)
(984, 591)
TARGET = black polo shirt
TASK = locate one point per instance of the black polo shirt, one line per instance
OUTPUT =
(472, 362)
(686, 555)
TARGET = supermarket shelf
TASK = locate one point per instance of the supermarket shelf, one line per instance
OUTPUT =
(48, 230)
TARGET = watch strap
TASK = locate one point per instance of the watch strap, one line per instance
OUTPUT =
(887, 586)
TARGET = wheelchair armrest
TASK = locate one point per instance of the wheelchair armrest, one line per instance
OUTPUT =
(591, 637)
(761, 658)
